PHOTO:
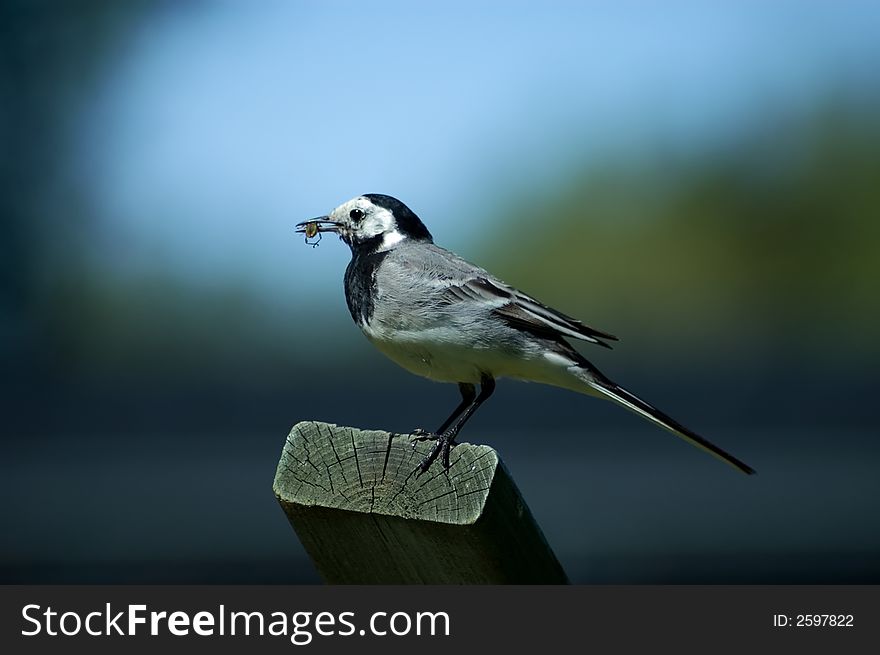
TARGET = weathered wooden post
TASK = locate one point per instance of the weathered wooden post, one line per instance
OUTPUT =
(365, 517)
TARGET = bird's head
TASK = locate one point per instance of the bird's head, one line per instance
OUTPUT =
(370, 223)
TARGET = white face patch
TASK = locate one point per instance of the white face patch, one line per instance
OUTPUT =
(376, 221)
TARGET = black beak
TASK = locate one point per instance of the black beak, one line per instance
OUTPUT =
(319, 224)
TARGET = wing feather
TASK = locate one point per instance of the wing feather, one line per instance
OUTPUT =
(524, 312)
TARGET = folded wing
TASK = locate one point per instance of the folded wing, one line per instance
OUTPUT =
(524, 312)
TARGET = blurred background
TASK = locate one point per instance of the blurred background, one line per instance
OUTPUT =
(700, 179)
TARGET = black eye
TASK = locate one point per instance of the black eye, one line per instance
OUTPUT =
(356, 214)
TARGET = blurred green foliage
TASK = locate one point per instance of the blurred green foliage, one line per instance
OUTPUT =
(772, 239)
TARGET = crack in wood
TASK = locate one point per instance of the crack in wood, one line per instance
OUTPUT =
(336, 454)
(403, 486)
(308, 482)
(356, 461)
(475, 491)
(442, 472)
(303, 432)
(401, 459)
(437, 497)
(387, 455)
(329, 478)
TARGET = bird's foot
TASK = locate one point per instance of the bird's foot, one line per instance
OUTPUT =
(445, 442)
(420, 434)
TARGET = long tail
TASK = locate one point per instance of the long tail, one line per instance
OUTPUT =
(618, 394)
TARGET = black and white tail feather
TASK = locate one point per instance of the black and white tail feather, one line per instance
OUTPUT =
(630, 401)
(529, 314)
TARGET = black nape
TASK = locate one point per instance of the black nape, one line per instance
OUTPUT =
(408, 223)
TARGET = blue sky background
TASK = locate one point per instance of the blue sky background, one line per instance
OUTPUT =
(216, 126)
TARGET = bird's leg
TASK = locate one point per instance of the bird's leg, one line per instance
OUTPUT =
(446, 438)
(468, 393)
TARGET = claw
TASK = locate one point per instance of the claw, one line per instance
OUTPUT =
(444, 444)
(447, 446)
(422, 435)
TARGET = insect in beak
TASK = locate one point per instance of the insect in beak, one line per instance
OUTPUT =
(314, 227)
(311, 232)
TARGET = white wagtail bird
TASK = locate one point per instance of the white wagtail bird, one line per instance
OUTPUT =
(443, 318)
